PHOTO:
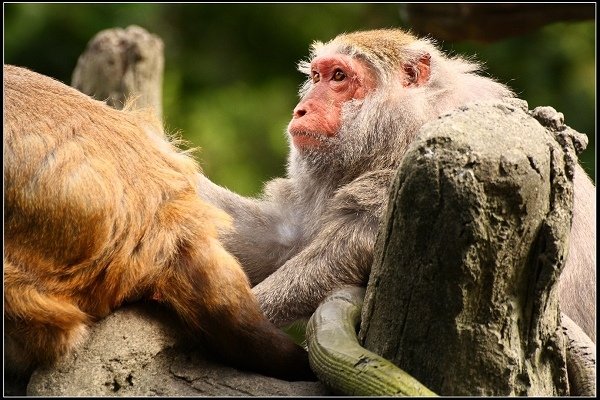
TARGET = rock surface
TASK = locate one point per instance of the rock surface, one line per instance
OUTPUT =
(463, 289)
(136, 352)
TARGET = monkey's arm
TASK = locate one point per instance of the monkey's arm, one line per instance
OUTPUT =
(234, 204)
(255, 239)
(340, 254)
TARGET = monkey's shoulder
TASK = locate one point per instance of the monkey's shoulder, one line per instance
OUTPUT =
(19, 81)
(43, 100)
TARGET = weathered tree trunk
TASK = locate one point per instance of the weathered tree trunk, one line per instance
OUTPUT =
(462, 294)
(121, 65)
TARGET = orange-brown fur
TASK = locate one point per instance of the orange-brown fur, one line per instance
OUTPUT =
(99, 209)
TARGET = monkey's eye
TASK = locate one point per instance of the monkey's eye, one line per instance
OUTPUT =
(316, 77)
(339, 75)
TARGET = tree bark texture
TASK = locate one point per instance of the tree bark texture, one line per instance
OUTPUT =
(462, 294)
(120, 66)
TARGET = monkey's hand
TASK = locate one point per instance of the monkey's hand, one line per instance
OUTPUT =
(341, 254)
(296, 289)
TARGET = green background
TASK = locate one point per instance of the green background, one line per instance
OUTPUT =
(230, 69)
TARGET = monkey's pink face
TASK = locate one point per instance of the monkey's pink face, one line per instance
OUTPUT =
(335, 80)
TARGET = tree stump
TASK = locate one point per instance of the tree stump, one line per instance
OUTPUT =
(121, 65)
(462, 294)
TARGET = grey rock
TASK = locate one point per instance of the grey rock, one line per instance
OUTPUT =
(137, 351)
(475, 240)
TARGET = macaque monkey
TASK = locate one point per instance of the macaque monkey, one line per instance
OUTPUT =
(100, 209)
(366, 97)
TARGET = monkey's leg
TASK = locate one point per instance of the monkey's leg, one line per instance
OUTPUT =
(207, 288)
(39, 327)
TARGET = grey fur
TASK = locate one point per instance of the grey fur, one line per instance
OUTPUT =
(314, 231)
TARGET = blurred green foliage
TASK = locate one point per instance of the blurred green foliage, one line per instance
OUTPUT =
(230, 73)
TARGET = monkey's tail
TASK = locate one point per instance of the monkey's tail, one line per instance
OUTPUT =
(39, 327)
(210, 292)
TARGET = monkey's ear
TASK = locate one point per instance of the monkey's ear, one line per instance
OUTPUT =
(417, 72)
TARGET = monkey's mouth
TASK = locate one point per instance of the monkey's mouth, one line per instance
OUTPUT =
(307, 140)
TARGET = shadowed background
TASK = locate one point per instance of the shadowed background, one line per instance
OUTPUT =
(230, 78)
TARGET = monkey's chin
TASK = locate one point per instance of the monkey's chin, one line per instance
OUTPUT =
(307, 141)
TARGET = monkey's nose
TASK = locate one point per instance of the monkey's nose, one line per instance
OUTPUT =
(299, 112)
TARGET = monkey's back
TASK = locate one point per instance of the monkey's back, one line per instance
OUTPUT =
(95, 198)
